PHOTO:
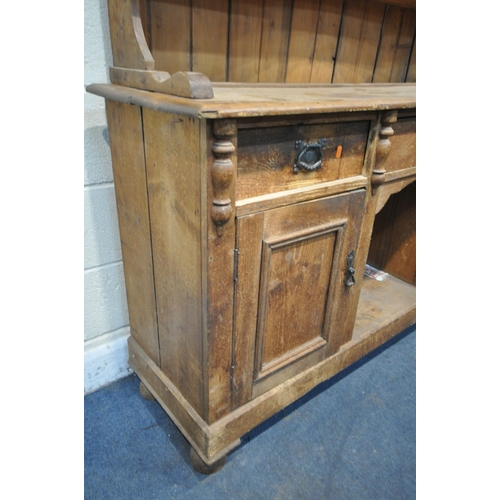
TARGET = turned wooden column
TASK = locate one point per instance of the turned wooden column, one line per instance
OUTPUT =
(223, 172)
(383, 146)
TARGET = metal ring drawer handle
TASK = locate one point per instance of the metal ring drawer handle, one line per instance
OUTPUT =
(308, 157)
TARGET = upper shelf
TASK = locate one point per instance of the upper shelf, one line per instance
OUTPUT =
(180, 47)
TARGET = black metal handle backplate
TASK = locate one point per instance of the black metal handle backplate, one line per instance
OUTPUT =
(308, 157)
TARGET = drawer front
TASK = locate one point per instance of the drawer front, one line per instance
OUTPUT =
(267, 155)
(403, 152)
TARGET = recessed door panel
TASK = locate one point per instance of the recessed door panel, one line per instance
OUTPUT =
(291, 302)
(294, 287)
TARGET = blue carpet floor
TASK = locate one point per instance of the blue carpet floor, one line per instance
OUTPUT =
(352, 438)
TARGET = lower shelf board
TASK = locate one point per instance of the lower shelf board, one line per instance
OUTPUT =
(381, 303)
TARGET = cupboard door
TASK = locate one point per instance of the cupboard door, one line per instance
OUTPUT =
(293, 306)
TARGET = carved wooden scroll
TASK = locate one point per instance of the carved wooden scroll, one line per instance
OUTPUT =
(223, 172)
(383, 146)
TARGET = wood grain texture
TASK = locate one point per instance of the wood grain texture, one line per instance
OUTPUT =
(359, 40)
(247, 100)
(144, 13)
(395, 181)
(381, 329)
(275, 38)
(128, 41)
(217, 439)
(412, 68)
(301, 244)
(245, 41)
(210, 38)
(249, 245)
(171, 34)
(345, 298)
(307, 193)
(295, 279)
(244, 263)
(182, 84)
(369, 210)
(393, 245)
(405, 45)
(270, 41)
(267, 156)
(129, 173)
(220, 275)
(388, 44)
(325, 49)
(410, 4)
(223, 172)
(403, 145)
(381, 304)
(302, 41)
(184, 416)
(173, 168)
(395, 45)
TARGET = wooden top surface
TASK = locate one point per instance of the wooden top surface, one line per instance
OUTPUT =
(233, 100)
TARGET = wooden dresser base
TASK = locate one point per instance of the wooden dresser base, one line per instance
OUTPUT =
(249, 171)
(395, 311)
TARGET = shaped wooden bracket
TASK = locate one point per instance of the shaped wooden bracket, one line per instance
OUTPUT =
(134, 65)
(182, 84)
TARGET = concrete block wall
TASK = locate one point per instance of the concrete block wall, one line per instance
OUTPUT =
(106, 324)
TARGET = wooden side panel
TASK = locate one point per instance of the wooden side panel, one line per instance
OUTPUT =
(129, 172)
(395, 45)
(245, 41)
(359, 41)
(302, 40)
(327, 35)
(275, 37)
(171, 34)
(210, 34)
(393, 244)
(173, 167)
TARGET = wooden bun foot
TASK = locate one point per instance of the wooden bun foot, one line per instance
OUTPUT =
(145, 392)
(200, 466)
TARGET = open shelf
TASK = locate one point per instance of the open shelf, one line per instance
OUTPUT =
(381, 303)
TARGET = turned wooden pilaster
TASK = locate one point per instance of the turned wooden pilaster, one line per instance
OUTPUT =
(383, 146)
(223, 172)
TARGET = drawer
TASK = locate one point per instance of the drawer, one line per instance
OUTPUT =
(403, 145)
(266, 156)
